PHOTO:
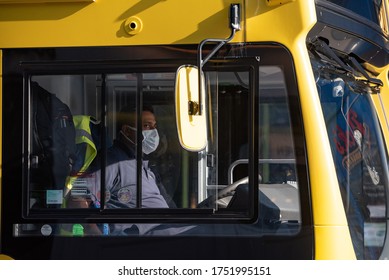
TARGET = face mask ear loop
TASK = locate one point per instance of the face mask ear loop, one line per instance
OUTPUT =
(125, 136)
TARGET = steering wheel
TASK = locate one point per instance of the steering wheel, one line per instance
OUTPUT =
(211, 201)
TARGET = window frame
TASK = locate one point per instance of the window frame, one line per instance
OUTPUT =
(121, 215)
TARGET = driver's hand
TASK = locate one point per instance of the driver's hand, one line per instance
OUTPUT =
(78, 202)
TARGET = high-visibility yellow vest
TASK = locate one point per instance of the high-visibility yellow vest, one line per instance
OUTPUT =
(83, 135)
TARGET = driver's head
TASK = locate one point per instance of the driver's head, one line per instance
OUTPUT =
(127, 117)
(127, 122)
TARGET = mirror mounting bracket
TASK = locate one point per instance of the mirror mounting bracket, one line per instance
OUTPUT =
(235, 26)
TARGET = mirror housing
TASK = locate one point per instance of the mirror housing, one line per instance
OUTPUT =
(190, 113)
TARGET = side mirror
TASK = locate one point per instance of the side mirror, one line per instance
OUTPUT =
(190, 109)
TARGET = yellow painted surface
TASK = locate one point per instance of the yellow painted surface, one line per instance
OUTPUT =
(40, 1)
(332, 239)
(5, 257)
(335, 244)
(102, 23)
(381, 102)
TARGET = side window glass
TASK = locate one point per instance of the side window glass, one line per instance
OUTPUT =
(227, 157)
(96, 142)
(144, 156)
(360, 160)
(57, 155)
(277, 159)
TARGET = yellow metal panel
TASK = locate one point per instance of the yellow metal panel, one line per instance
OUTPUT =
(277, 2)
(328, 212)
(330, 223)
(40, 1)
(5, 257)
(266, 23)
(337, 245)
(381, 103)
(273, 23)
(102, 23)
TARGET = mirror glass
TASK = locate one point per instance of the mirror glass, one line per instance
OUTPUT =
(191, 122)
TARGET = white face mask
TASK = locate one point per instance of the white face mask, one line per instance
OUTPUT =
(150, 141)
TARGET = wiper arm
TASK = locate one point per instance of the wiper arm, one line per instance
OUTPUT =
(352, 69)
(324, 49)
(360, 69)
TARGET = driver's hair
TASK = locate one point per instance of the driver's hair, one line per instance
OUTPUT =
(127, 115)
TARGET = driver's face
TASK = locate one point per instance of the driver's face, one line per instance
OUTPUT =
(148, 122)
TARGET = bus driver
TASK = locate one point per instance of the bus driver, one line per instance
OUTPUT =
(121, 173)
